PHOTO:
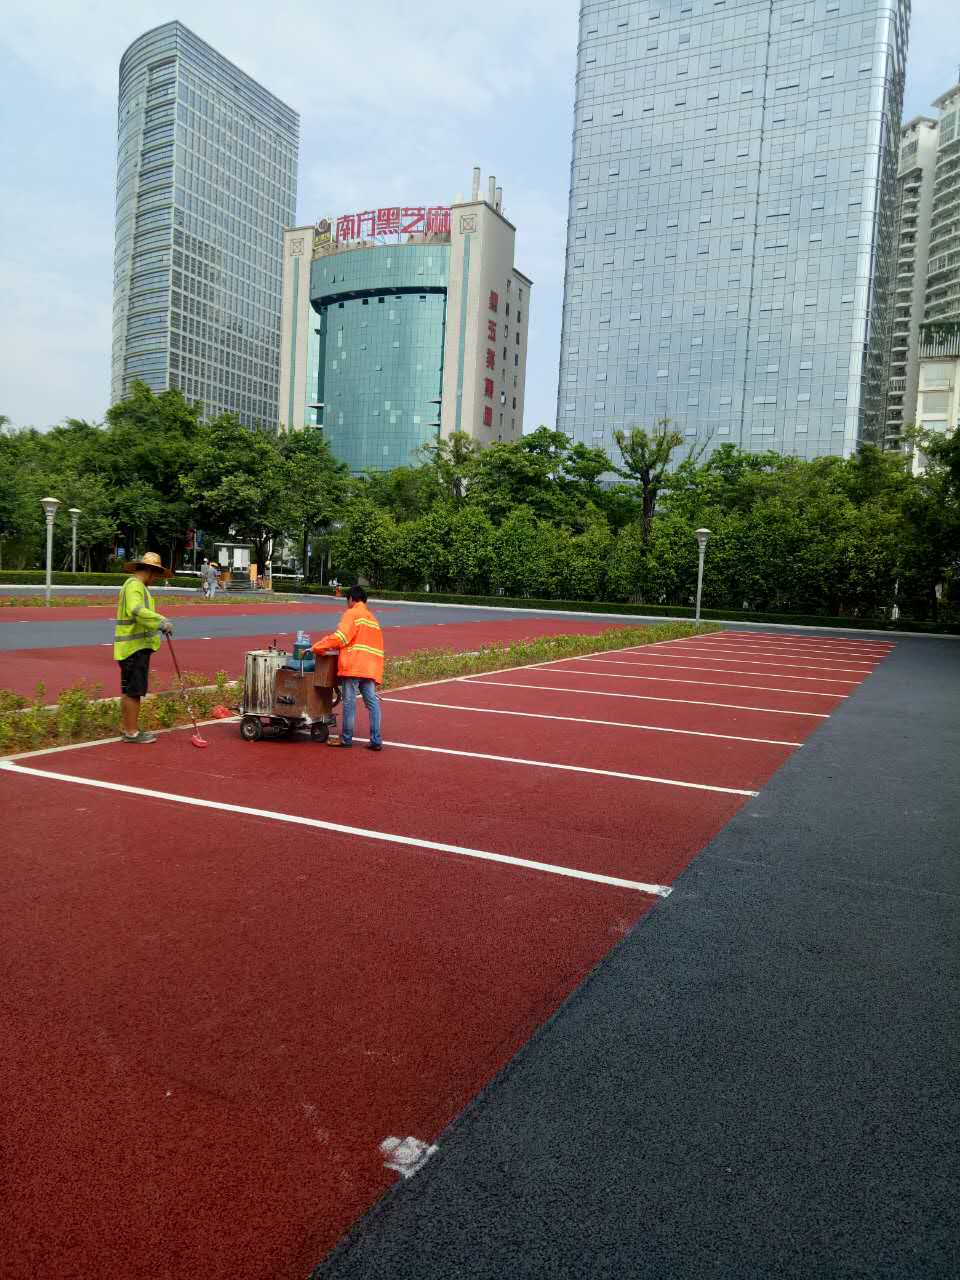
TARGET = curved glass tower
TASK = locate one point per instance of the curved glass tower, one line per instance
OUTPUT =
(381, 316)
(206, 182)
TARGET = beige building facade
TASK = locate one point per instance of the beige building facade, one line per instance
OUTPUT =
(401, 326)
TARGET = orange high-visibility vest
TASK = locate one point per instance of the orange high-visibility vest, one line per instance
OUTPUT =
(360, 641)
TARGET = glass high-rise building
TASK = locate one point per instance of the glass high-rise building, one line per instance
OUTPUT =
(206, 182)
(732, 222)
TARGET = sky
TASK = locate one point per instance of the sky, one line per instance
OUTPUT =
(397, 102)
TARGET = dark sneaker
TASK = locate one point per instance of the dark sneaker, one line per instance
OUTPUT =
(138, 739)
(374, 746)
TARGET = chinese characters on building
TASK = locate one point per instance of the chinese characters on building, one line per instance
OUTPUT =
(394, 220)
(493, 303)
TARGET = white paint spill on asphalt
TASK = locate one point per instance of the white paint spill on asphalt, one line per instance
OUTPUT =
(407, 1156)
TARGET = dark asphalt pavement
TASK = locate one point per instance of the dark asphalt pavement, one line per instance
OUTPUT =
(762, 1080)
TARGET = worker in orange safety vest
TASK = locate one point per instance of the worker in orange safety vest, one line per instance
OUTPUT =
(359, 666)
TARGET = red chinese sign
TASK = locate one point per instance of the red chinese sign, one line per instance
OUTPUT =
(394, 220)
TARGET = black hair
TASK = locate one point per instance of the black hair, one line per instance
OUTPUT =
(357, 594)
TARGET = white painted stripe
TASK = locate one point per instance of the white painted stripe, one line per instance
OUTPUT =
(363, 833)
(641, 697)
(863, 672)
(722, 671)
(613, 724)
(813, 655)
(713, 684)
(771, 637)
(809, 650)
(572, 768)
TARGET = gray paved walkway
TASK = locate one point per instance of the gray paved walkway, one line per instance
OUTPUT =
(762, 1080)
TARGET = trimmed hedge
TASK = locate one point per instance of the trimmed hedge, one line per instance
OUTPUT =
(38, 578)
(660, 611)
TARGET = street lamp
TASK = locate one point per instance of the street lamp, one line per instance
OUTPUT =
(702, 536)
(50, 506)
(74, 516)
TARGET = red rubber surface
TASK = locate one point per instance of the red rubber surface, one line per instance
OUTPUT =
(209, 1024)
(22, 669)
(209, 1021)
(507, 690)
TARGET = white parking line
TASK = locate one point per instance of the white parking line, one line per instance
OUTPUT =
(808, 651)
(573, 768)
(813, 642)
(714, 684)
(384, 837)
(641, 697)
(721, 671)
(613, 724)
(763, 662)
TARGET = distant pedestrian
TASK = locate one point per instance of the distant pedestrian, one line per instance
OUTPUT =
(359, 666)
(205, 576)
(213, 580)
(136, 637)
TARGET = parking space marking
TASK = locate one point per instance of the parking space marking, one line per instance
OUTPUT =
(761, 662)
(640, 697)
(720, 671)
(571, 768)
(363, 833)
(612, 724)
(713, 684)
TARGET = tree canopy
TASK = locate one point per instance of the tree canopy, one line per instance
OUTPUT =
(542, 516)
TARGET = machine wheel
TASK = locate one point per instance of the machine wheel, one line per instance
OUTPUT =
(319, 732)
(251, 730)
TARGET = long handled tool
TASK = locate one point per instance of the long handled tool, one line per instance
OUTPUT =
(197, 740)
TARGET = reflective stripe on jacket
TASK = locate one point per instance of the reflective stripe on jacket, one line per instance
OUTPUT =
(360, 641)
(137, 620)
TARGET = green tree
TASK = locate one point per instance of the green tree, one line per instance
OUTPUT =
(320, 487)
(363, 546)
(241, 483)
(646, 457)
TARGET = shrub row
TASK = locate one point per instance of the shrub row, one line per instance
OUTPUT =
(37, 577)
(662, 611)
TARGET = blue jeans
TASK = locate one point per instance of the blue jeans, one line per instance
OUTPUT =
(349, 687)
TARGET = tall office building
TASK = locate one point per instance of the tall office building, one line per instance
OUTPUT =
(206, 182)
(924, 386)
(918, 156)
(732, 221)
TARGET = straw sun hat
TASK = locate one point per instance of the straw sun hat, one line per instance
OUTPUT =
(150, 560)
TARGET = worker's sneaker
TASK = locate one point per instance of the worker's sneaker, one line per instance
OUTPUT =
(338, 742)
(138, 739)
(374, 746)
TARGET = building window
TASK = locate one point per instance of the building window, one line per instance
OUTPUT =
(494, 301)
(487, 416)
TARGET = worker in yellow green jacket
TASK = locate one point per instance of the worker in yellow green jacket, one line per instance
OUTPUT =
(137, 636)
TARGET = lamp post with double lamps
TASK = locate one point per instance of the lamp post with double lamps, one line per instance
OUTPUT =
(74, 513)
(50, 508)
(702, 535)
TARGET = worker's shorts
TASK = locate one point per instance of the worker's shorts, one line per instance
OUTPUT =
(134, 673)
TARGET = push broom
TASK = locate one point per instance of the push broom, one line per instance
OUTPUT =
(197, 740)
